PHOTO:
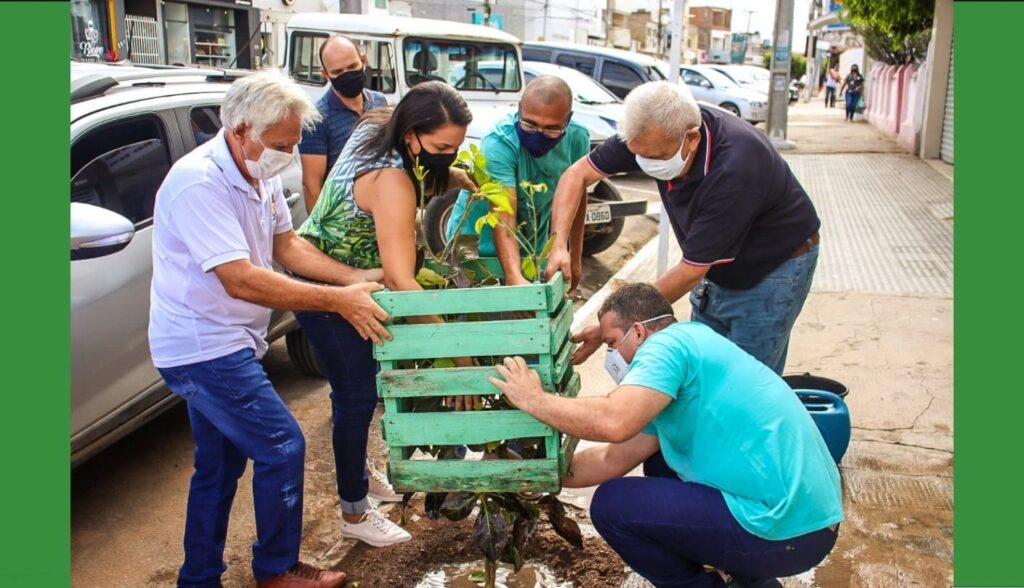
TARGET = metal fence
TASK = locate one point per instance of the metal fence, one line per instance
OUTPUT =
(143, 39)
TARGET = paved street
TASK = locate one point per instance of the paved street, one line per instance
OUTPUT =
(879, 319)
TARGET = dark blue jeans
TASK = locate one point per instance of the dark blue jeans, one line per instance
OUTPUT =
(851, 104)
(236, 415)
(348, 362)
(760, 319)
(667, 530)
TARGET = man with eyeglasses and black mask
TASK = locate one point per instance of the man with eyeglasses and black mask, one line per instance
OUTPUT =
(341, 106)
(536, 145)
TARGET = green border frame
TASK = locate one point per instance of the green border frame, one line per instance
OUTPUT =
(989, 201)
(34, 507)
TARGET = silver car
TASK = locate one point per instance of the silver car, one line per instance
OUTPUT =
(712, 86)
(128, 126)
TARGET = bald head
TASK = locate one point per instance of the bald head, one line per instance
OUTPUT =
(548, 90)
(339, 55)
(546, 103)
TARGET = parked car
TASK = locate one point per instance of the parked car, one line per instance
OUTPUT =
(619, 71)
(481, 62)
(129, 124)
(710, 85)
(754, 78)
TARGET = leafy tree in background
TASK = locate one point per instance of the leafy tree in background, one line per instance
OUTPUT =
(797, 64)
(895, 32)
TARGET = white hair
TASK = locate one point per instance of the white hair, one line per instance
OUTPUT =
(265, 98)
(663, 105)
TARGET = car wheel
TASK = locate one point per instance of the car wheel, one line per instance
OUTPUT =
(731, 108)
(301, 353)
(435, 219)
(597, 238)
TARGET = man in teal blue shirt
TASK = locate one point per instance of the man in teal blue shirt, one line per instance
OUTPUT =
(737, 475)
(536, 145)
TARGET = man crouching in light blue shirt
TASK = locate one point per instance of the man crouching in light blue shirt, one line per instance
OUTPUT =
(736, 474)
(221, 221)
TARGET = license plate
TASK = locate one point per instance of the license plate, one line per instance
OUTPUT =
(598, 213)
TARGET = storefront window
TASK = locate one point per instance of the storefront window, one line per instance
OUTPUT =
(90, 32)
(179, 41)
(214, 30)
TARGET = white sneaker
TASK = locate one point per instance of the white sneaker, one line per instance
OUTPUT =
(374, 529)
(380, 489)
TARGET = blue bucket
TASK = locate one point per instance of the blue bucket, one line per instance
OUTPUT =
(827, 408)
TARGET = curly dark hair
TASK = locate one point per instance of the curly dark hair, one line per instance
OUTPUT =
(637, 302)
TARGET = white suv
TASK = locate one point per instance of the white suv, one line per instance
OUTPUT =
(129, 124)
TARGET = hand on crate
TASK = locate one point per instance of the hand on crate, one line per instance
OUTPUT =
(464, 402)
(590, 338)
(371, 275)
(355, 304)
(561, 260)
(519, 382)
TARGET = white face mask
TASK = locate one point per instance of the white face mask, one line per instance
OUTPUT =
(270, 163)
(663, 169)
(614, 363)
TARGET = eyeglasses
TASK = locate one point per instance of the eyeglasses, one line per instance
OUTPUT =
(531, 128)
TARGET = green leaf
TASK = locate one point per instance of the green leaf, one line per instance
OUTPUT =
(444, 362)
(511, 555)
(548, 247)
(477, 576)
(479, 226)
(490, 534)
(428, 277)
(529, 268)
(458, 506)
(492, 219)
(565, 527)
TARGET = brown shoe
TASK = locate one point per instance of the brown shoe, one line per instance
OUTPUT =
(304, 575)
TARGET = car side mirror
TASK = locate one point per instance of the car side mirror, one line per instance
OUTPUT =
(96, 231)
(705, 84)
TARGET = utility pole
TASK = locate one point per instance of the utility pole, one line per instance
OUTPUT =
(679, 18)
(608, 12)
(778, 99)
(661, 46)
(749, 13)
(544, 27)
(487, 13)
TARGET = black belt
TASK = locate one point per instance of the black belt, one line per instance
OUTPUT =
(806, 246)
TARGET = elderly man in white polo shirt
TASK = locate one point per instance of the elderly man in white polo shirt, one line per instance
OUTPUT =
(221, 221)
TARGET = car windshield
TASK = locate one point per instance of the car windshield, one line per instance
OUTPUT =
(740, 75)
(659, 71)
(759, 73)
(717, 78)
(585, 89)
(461, 64)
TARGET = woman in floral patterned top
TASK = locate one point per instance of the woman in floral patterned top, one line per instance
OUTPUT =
(366, 216)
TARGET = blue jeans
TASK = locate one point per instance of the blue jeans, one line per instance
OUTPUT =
(347, 360)
(851, 104)
(760, 319)
(236, 415)
(667, 530)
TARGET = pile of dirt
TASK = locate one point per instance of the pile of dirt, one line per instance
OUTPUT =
(442, 542)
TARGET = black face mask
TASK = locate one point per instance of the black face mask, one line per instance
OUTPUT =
(435, 160)
(350, 84)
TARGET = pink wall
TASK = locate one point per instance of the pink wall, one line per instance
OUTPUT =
(893, 102)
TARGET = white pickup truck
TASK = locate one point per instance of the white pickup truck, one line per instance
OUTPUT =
(402, 52)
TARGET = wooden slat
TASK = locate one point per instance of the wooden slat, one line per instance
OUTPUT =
(460, 428)
(572, 389)
(519, 337)
(450, 381)
(560, 325)
(464, 300)
(562, 361)
(496, 475)
(565, 454)
(556, 294)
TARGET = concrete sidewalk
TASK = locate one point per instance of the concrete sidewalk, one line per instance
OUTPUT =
(878, 319)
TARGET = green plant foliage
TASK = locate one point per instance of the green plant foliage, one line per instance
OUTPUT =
(895, 32)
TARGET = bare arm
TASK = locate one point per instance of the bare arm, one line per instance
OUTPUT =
(314, 170)
(245, 281)
(596, 465)
(507, 247)
(615, 418)
(300, 256)
(576, 243)
(571, 190)
(679, 280)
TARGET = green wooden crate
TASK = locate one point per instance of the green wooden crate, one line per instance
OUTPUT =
(544, 337)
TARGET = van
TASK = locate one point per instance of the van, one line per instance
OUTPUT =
(619, 71)
(483, 63)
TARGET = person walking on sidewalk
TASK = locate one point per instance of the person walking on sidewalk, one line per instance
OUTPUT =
(748, 231)
(366, 217)
(220, 223)
(736, 474)
(831, 85)
(536, 144)
(852, 87)
(344, 101)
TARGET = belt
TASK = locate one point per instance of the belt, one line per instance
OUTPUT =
(806, 246)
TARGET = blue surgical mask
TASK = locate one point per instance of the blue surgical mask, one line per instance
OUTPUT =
(537, 144)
